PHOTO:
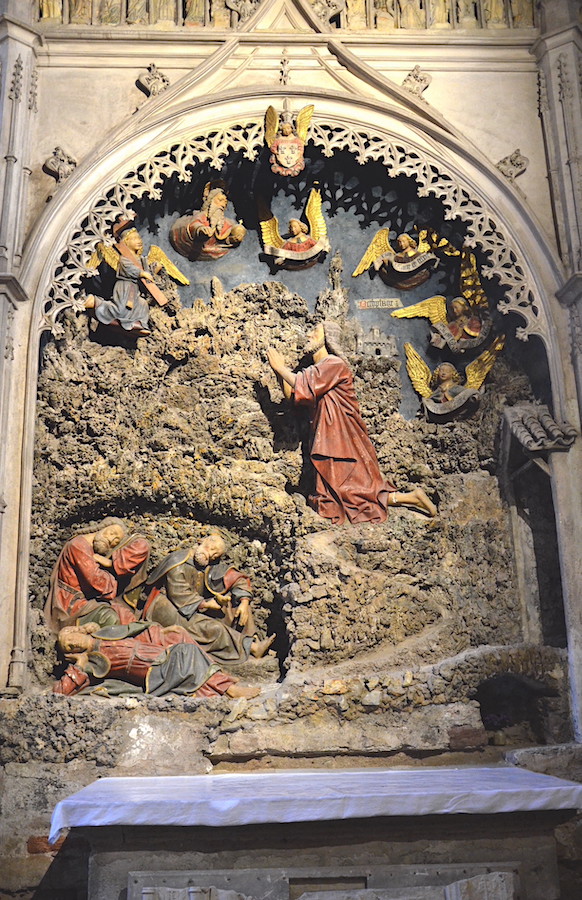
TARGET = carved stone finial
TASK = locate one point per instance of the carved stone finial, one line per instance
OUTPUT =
(513, 165)
(152, 82)
(16, 85)
(60, 165)
(416, 81)
(284, 69)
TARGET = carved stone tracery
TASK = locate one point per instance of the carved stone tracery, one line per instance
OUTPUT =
(148, 178)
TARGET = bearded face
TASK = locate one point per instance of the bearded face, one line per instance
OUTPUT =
(200, 557)
(101, 545)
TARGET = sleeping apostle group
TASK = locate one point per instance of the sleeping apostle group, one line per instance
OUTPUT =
(100, 598)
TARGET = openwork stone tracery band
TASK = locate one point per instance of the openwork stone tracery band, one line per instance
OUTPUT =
(398, 157)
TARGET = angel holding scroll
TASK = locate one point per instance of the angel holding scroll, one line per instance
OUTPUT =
(128, 308)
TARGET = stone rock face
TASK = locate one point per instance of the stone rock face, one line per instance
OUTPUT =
(188, 429)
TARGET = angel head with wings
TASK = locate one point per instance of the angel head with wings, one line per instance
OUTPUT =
(303, 245)
(444, 396)
(285, 140)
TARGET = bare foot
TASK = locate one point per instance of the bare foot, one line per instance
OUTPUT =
(90, 301)
(421, 500)
(259, 648)
(242, 690)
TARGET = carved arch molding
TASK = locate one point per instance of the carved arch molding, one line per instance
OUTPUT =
(398, 156)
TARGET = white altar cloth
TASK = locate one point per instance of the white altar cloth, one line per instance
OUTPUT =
(300, 796)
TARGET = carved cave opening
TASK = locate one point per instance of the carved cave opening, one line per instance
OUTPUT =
(185, 430)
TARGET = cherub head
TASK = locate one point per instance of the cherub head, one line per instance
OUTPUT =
(405, 242)
(297, 227)
(459, 307)
(445, 374)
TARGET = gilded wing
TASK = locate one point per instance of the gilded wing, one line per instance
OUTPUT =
(429, 240)
(379, 245)
(270, 233)
(157, 255)
(271, 125)
(471, 287)
(418, 371)
(317, 226)
(103, 253)
(434, 308)
(303, 121)
(477, 371)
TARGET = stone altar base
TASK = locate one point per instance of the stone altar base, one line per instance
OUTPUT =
(443, 834)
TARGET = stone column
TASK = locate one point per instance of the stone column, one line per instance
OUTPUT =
(19, 105)
(559, 57)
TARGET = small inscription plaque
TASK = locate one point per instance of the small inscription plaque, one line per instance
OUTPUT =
(384, 303)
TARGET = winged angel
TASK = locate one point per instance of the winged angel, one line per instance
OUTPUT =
(128, 308)
(465, 323)
(303, 245)
(444, 397)
(286, 141)
(405, 268)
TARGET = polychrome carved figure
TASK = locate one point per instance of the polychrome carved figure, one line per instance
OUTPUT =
(303, 245)
(465, 323)
(348, 482)
(444, 395)
(207, 234)
(154, 659)
(128, 308)
(286, 141)
(405, 268)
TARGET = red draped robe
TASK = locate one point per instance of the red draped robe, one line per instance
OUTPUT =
(347, 476)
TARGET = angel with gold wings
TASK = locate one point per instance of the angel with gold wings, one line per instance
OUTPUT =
(444, 396)
(285, 140)
(128, 308)
(405, 268)
(465, 323)
(303, 245)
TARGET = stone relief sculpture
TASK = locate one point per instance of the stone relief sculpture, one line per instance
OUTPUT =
(51, 10)
(190, 586)
(444, 395)
(494, 13)
(80, 12)
(417, 81)
(60, 165)
(384, 14)
(92, 573)
(522, 13)
(207, 234)
(194, 12)
(286, 139)
(411, 14)
(405, 268)
(439, 14)
(152, 82)
(127, 308)
(109, 12)
(327, 9)
(244, 8)
(464, 323)
(304, 245)
(348, 482)
(165, 11)
(467, 14)
(143, 656)
(137, 12)
(513, 165)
